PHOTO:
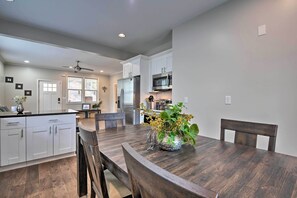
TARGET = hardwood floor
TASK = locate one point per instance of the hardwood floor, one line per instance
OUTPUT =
(51, 179)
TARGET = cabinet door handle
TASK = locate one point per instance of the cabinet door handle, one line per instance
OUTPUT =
(56, 131)
(22, 133)
(50, 130)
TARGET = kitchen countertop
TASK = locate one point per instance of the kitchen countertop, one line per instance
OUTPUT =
(57, 112)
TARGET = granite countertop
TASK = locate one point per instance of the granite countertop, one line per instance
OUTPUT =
(27, 114)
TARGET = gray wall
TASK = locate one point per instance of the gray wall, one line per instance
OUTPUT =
(219, 54)
(29, 76)
(2, 98)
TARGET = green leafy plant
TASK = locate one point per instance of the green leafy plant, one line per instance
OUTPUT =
(171, 123)
(97, 105)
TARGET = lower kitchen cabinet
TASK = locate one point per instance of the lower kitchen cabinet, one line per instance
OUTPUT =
(39, 142)
(64, 138)
(50, 135)
(13, 141)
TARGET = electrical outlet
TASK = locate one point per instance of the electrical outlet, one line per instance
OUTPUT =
(228, 100)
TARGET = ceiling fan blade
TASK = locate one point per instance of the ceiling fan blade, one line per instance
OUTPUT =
(86, 69)
(69, 67)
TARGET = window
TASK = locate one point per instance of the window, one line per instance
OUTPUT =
(74, 89)
(91, 87)
(82, 89)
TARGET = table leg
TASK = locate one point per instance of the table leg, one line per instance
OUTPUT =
(82, 185)
(86, 114)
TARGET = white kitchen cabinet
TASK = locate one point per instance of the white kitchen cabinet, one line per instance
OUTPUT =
(161, 63)
(50, 135)
(13, 141)
(64, 139)
(131, 67)
(39, 142)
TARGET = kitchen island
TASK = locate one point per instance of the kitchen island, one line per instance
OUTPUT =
(27, 139)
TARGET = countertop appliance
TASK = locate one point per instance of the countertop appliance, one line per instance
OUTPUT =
(162, 104)
(162, 82)
(129, 99)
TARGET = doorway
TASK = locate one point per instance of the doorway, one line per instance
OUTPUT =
(115, 96)
(49, 95)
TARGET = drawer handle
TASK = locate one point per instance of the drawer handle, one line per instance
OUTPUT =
(13, 134)
(22, 133)
(39, 131)
(12, 123)
(65, 128)
(50, 130)
(56, 131)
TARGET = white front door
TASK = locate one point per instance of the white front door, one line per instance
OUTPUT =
(50, 95)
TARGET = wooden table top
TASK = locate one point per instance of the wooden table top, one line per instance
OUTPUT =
(230, 169)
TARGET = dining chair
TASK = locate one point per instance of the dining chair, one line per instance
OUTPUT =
(149, 180)
(246, 132)
(99, 177)
(110, 119)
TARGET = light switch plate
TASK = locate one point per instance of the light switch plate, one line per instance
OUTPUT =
(261, 30)
(186, 100)
(228, 100)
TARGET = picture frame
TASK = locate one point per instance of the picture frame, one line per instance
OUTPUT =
(86, 106)
(8, 79)
(28, 92)
(18, 86)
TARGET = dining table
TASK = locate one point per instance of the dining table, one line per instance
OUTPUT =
(231, 170)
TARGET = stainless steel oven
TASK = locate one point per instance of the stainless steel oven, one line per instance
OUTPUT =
(162, 81)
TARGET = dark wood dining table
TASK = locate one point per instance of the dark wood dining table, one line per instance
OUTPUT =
(232, 170)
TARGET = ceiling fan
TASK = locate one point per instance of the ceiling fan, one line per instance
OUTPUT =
(77, 68)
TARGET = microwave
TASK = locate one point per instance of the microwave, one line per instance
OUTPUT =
(162, 81)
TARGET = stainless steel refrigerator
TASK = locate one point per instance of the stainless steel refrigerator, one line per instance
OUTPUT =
(129, 98)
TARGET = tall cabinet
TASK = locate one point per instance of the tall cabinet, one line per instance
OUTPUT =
(13, 140)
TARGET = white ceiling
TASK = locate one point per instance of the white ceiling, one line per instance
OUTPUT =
(15, 51)
(146, 23)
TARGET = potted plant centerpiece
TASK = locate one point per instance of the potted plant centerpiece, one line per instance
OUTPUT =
(172, 128)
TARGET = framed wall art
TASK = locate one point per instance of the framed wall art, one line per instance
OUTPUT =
(18, 86)
(8, 79)
(28, 93)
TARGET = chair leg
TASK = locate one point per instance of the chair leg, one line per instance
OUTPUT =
(93, 194)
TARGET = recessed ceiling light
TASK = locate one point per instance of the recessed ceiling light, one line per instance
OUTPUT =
(26, 61)
(101, 71)
(122, 35)
(10, 0)
(70, 67)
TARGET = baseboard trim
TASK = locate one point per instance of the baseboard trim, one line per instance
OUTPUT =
(34, 162)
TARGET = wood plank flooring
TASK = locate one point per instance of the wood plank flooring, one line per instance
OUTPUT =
(51, 179)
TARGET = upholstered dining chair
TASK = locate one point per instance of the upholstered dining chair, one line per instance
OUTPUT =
(103, 183)
(111, 119)
(149, 180)
(246, 132)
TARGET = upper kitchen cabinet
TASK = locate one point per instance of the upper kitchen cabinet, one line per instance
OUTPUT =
(161, 62)
(132, 66)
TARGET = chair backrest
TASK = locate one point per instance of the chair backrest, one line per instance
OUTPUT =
(94, 163)
(246, 132)
(111, 119)
(149, 180)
